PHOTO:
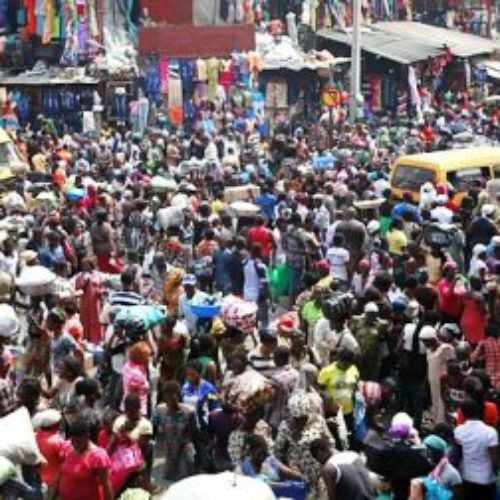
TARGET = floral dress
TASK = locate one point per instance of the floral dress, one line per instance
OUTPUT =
(178, 432)
(295, 451)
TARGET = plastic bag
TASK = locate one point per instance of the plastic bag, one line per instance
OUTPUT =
(125, 461)
(279, 280)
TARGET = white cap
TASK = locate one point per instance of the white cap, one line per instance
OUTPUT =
(478, 249)
(428, 333)
(488, 210)
(371, 307)
(373, 226)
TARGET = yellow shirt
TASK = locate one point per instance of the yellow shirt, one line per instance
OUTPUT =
(218, 206)
(143, 428)
(397, 241)
(340, 385)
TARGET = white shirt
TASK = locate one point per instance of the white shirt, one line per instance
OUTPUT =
(475, 437)
(338, 258)
(251, 281)
(476, 267)
(408, 331)
(442, 214)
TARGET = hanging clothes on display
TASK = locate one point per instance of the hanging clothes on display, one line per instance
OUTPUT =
(213, 69)
(164, 69)
(142, 113)
(277, 94)
(120, 104)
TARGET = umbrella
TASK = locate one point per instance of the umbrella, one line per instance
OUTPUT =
(9, 321)
(225, 486)
(35, 280)
(76, 194)
(46, 196)
(161, 185)
(244, 208)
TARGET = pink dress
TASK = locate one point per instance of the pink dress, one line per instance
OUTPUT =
(90, 305)
(79, 480)
(135, 380)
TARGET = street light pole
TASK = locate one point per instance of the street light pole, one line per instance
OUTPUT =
(355, 60)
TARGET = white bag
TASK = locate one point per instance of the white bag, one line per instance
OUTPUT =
(17, 439)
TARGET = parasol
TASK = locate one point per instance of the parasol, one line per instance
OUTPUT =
(76, 194)
(225, 486)
(35, 280)
(244, 208)
(48, 197)
(161, 185)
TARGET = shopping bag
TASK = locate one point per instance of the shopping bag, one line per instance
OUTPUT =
(125, 461)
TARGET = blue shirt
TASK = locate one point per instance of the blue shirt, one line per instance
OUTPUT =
(202, 398)
(267, 202)
(403, 208)
(270, 470)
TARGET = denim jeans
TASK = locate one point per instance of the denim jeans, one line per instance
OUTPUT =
(120, 104)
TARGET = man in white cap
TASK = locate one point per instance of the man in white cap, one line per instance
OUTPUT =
(441, 213)
(438, 355)
(371, 333)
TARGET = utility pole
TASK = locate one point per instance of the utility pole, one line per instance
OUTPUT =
(355, 60)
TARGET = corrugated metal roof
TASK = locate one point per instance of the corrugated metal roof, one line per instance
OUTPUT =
(461, 44)
(407, 42)
(387, 45)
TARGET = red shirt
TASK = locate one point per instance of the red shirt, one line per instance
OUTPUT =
(450, 302)
(79, 475)
(53, 447)
(263, 237)
(473, 321)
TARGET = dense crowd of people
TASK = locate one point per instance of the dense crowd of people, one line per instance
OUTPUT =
(367, 367)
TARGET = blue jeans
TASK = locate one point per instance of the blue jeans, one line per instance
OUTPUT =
(120, 103)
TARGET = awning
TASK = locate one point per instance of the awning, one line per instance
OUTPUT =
(390, 46)
(460, 44)
(408, 42)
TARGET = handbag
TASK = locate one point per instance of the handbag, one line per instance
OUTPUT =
(126, 460)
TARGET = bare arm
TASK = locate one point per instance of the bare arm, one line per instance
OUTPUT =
(103, 478)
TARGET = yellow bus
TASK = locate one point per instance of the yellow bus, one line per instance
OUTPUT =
(458, 167)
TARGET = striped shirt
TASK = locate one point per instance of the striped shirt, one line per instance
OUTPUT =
(126, 298)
